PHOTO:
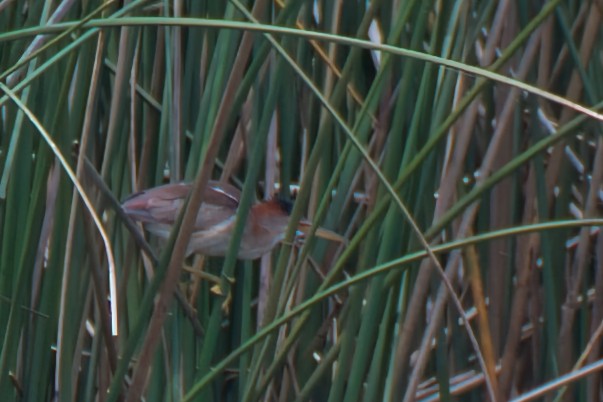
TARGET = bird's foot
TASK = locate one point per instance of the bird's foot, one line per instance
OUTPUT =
(220, 290)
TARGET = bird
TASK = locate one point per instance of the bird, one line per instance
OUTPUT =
(157, 209)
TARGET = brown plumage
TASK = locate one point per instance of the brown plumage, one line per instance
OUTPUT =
(157, 208)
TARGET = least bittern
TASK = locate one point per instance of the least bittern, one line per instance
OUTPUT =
(266, 224)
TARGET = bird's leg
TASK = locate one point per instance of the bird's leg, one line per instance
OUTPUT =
(195, 271)
(226, 303)
(198, 275)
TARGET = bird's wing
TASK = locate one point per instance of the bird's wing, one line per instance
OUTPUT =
(161, 205)
(223, 194)
(220, 203)
(158, 204)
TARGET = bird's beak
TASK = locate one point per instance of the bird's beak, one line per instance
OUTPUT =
(304, 229)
